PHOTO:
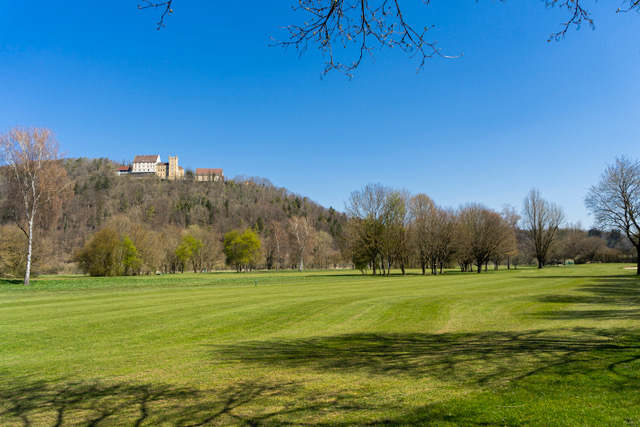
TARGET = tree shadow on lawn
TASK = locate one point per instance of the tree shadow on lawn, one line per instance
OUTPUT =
(620, 293)
(243, 403)
(461, 360)
(470, 358)
(91, 404)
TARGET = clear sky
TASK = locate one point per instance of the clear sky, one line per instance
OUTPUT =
(514, 112)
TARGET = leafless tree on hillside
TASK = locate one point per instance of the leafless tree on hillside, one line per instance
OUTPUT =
(302, 234)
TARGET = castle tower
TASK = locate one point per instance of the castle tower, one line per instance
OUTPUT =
(173, 167)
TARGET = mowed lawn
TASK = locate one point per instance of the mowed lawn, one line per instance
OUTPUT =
(559, 346)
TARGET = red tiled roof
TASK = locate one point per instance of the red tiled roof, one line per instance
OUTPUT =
(123, 168)
(146, 159)
(206, 171)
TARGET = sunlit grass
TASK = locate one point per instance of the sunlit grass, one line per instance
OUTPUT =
(559, 346)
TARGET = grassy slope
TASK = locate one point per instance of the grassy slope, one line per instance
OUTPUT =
(554, 347)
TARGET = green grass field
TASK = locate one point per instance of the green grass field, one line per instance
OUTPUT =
(559, 346)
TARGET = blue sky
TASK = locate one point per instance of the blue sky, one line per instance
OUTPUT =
(514, 112)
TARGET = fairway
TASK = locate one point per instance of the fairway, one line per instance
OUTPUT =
(559, 346)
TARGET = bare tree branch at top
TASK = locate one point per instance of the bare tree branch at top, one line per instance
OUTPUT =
(368, 25)
(166, 6)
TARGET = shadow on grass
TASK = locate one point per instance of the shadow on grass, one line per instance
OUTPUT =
(244, 403)
(11, 282)
(469, 358)
(40, 403)
(460, 360)
(612, 297)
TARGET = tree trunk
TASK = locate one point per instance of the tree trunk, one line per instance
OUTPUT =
(540, 265)
(27, 273)
(301, 264)
(508, 263)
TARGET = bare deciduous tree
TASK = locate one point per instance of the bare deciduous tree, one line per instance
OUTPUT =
(442, 237)
(615, 200)
(483, 234)
(365, 228)
(302, 233)
(275, 245)
(36, 178)
(433, 233)
(421, 209)
(510, 214)
(541, 220)
(395, 220)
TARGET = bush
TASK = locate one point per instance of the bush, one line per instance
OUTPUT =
(13, 252)
(102, 254)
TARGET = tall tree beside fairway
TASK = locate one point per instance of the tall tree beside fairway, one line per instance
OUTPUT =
(36, 179)
(443, 228)
(615, 200)
(433, 232)
(365, 227)
(396, 219)
(511, 216)
(276, 245)
(422, 208)
(483, 234)
(541, 220)
(302, 237)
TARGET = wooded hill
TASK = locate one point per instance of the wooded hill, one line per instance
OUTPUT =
(167, 210)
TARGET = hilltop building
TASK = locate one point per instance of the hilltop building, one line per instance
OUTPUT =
(170, 170)
(207, 174)
(123, 170)
(145, 164)
(153, 165)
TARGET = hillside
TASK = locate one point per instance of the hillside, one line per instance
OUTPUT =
(168, 208)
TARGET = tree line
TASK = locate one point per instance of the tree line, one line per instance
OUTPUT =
(65, 215)
(389, 228)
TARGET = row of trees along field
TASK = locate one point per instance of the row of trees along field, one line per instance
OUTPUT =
(391, 228)
(70, 215)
